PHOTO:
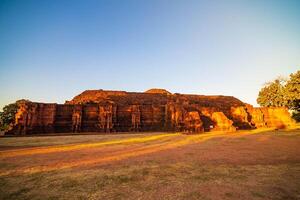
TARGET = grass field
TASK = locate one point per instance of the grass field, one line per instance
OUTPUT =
(255, 164)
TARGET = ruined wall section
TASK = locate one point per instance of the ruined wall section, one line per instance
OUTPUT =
(278, 117)
(240, 117)
(34, 118)
(256, 116)
(221, 122)
(157, 110)
(63, 118)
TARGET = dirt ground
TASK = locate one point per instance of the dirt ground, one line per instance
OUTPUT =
(258, 164)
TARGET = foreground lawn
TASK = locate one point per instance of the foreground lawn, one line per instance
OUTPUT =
(241, 165)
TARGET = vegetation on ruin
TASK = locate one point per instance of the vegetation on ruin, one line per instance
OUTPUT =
(281, 92)
(7, 116)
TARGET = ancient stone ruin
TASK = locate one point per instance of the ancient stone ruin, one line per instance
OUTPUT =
(153, 110)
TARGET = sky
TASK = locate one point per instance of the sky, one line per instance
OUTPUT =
(52, 50)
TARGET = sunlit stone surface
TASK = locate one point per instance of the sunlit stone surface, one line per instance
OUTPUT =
(153, 110)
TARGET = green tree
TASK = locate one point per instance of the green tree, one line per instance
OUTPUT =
(273, 94)
(293, 91)
(293, 94)
(7, 117)
(282, 93)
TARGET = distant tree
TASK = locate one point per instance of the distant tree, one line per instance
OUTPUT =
(273, 94)
(293, 91)
(7, 116)
(293, 94)
(282, 92)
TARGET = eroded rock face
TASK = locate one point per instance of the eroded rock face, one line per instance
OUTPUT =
(277, 117)
(192, 122)
(94, 96)
(76, 118)
(105, 117)
(240, 116)
(135, 117)
(222, 123)
(154, 110)
(34, 118)
(158, 91)
(256, 116)
(239, 113)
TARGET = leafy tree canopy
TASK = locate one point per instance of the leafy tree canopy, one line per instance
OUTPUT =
(272, 94)
(292, 88)
(282, 92)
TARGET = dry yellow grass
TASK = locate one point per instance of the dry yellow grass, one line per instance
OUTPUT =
(260, 164)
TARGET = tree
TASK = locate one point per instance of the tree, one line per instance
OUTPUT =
(7, 116)
(293, 94)
(293, 91)
(273, 94)
(282, 93)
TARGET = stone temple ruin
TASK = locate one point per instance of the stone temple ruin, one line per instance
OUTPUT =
(154, 110)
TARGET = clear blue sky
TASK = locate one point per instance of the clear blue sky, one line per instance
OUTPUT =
(51, 50)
